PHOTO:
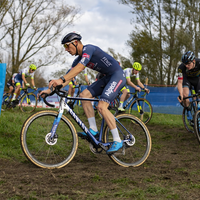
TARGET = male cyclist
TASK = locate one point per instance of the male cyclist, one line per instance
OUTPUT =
(188, 76)
(129, 72)
(72, 84)
(94, 58)
(11, 84)
(20, 81)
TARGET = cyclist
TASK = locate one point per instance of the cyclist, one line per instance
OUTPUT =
(94, 58)
(129, 72)
(20, 81)
(11, 84)
(72, 84)
(188, 76)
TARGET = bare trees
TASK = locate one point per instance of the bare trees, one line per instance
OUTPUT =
(29, 30)
(165, 30)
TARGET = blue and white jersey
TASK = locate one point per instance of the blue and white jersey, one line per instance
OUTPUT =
(95, 58)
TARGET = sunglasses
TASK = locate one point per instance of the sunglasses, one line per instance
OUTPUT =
(66, 45)
(188, 63)
(33, 70)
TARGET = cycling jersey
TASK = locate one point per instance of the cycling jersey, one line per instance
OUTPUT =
(108, 87)
(128, 73)
(26, 73)
(94, 58)
(190, 77)
(9, 83)
(184, 72)
(18, 78)
(99, 76)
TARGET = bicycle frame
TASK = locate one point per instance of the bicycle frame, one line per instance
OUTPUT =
(135, 96)
(96, 142)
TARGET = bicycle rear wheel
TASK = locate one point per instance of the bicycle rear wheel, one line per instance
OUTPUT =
(143, 110)
(197, 125)
(187, 124)
(135, 152)
(39, 149)
(28, 103)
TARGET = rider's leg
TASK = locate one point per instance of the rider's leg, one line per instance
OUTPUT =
(125, 95)
(88, 109)
(16, 92)
(187, 102)
(70, 91)
(110, 120)
(10, 89)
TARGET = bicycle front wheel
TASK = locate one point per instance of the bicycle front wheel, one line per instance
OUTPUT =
(28, 103)
(135, 152)
(142, 109)
(42, 151)
(188, 124)
(197, 125)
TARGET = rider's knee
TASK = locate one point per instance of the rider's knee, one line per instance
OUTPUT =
(101, 107)
(82, 95)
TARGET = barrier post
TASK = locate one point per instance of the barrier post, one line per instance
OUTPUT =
(146, 83)
(2, 81)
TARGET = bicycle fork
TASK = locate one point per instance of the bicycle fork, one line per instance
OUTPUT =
(139, 107)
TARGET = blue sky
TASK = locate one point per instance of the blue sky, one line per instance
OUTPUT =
(104, 23)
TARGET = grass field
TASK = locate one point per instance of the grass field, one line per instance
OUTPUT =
(11, 123)
(170, 172)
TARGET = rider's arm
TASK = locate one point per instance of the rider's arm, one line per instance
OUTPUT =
(24, 79)
(86, 77)
(180, 87)
(74, 81)
(67, 77)
(32, 82)
(129, 82)
(142, 86)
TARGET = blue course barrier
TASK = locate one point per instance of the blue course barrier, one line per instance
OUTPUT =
(2, 81)
(162, 99)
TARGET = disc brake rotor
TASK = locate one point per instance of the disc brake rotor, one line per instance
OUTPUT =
(50, 141)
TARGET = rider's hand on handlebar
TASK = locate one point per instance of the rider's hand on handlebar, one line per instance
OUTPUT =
(54, 83)
(138, 89)
(27, 85)
(180, 98)
(146, 90)
(43, 92)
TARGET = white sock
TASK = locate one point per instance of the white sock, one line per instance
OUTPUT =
(92, 123)
(14, 96)
(115, 135)
(121, 104)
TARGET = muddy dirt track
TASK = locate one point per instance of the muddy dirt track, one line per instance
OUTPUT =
(172, 171)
